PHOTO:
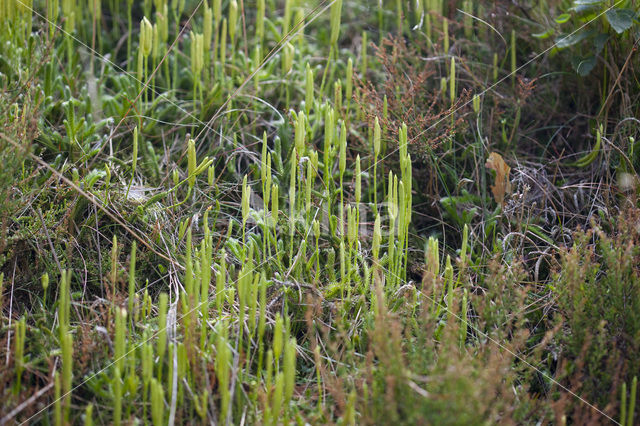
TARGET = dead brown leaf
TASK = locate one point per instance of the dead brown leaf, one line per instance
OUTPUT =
(502, 169)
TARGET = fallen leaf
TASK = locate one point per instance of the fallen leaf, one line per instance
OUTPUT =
(503, 185)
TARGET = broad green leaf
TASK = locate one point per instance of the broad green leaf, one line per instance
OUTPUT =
(584, 66)
(620, 19)
(599, 41)
(587, 13)
(563, 18)
(571, 39)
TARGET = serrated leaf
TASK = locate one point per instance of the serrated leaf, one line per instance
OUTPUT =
(620, 19)
(563, 18)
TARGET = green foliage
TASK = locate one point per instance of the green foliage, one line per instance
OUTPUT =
(20, 101)
(588, 27)
(602, 281)
(236, 214)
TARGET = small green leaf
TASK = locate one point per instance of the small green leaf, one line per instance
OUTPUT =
(586, 6)
(539, 232)
(92, 177)
(543, 35)
(589, 157)
(563, 18)
(587, 2)
(620, 19)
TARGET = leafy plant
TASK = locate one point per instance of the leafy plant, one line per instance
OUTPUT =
(588, 27)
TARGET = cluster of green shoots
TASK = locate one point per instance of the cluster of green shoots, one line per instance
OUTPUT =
(319, 222)
(315, 214)
(219, 314)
